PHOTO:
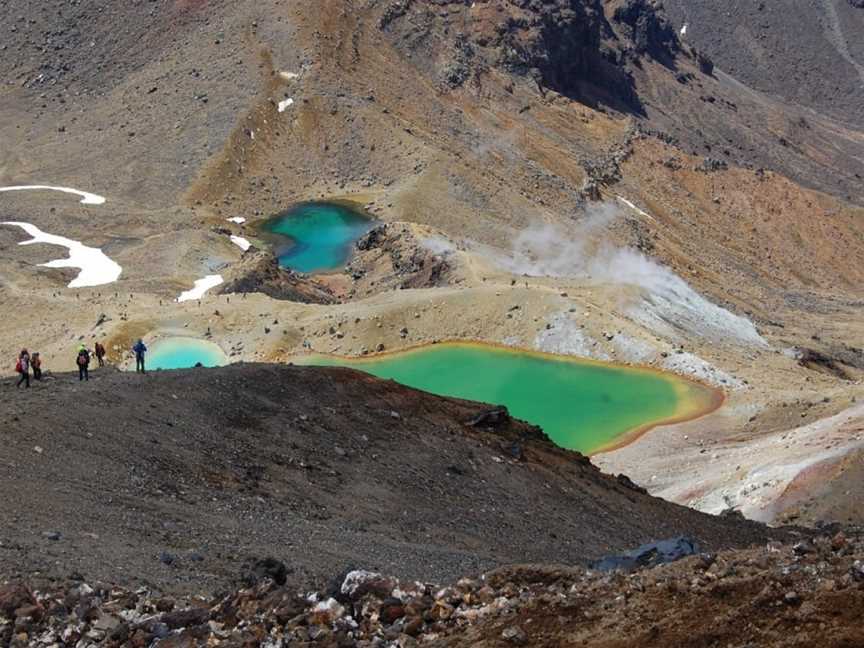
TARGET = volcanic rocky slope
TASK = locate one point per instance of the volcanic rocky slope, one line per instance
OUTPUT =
(177, 479)
(807, 594)
(476, 120)
(808, 53)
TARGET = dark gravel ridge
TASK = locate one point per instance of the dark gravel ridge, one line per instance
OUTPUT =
(175, 480)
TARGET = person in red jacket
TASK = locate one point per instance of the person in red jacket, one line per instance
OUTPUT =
(22, 366)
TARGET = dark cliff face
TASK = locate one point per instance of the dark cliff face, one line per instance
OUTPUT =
(568, 46)
(649, 31)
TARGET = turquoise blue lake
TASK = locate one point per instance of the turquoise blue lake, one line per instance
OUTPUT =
(183, 353)
(316, 236)
(582, 405)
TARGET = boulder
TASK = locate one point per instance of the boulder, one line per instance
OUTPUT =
(270, 568)
(649, 555)
(14, 596)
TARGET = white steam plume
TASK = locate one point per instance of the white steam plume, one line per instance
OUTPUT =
(666, 304)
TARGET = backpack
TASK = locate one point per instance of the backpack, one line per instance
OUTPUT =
(83, 359)
(19, 367)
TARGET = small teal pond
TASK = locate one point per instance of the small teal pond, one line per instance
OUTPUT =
(316, 236)
(183, 353)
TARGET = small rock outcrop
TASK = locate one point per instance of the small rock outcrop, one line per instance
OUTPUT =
(259, 272)
(649, 31)
(571, 47)
(397, 256)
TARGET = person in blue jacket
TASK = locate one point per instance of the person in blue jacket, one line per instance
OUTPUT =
(139, 350)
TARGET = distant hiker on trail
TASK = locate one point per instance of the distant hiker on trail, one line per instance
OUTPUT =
(36, 363)
(83, 361)
(99, 350)
(139, 350)
(22, 366)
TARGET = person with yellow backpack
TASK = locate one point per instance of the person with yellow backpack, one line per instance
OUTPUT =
(83, 362)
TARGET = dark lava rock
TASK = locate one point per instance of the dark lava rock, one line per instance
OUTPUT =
(259, 272)
(186, 618)
(650, 31)
(651, 554)
(628, 483)
(14, 596)
(391, 611)
(491, 418)
(566, 46)
(270, 568)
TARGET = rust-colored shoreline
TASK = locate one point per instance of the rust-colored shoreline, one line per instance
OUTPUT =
(718, 398)
(688, 409)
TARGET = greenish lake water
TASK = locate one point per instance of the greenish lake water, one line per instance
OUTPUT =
(316, 236)
(581, 405)
(183, 353)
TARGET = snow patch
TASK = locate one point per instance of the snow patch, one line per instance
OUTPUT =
(201, 287)
(684, 30)
(285, 104)
(288, 76)
(635, 208)
(96, 267)
(241, 242)
(87, 198)
(236, 219)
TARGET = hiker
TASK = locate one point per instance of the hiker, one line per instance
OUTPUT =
(99, 350)
(83, 361)
(23, 368)
(36, 363)
(139, 350)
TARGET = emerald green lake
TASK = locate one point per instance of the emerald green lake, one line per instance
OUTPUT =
(316, 236)
(581, 405)
(183, 353)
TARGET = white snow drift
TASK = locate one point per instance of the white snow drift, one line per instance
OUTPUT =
(641, 212)
(201, 287)
(285, 104)
(87, 198)
(236, 219)
(96, 267)
(241, 242)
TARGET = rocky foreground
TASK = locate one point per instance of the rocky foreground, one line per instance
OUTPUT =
(807, 594)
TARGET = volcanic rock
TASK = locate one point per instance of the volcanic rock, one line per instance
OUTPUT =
(259, 271)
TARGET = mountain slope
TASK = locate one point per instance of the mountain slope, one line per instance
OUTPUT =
(323, 468)
(808, 53)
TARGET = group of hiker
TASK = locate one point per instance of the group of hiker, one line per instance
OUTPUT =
(27, 363)
(23, 366)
